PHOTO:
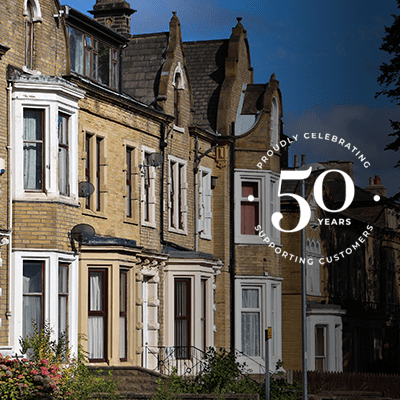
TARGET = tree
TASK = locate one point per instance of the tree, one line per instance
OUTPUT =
(390, 77)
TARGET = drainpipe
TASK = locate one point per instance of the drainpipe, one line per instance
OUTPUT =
(10, 209)
(232, 236)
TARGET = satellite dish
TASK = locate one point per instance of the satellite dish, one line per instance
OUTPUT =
(82, 233)
(155, 159)
(85, 189)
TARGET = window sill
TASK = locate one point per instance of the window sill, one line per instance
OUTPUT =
(179, 129)
(205, 237)
(43, 198)
(149, 224)
(96, 214)
(256, 239)
(178, 231)
(130, 220)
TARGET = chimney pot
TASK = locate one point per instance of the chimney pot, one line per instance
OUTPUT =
(303, 159)
(378, 180)
(296, 161)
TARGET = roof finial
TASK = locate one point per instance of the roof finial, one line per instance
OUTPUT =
(174, 12)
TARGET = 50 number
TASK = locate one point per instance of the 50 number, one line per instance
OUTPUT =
(305, 211)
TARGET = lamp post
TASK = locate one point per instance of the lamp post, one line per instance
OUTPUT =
(304, 299)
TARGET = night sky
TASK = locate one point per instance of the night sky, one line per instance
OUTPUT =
(326, 56)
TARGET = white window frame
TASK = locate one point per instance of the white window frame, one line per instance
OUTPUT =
(53, 98)
(51, 261)
(191, 269)
(205, 204)
(268, 286)
(332, 321)
(181, 86)
(313, 252)
(151, 178)
(180, 167)
(266, 180)
(274, 121)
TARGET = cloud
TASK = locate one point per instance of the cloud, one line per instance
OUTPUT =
(366, 128)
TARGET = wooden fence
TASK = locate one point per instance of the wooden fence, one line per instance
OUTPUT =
(350, 381)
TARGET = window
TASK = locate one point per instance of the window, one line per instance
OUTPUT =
(46, 289)
(178, 84)
(129, 151)
(33, 149)
(177, 195)
(205, 214)
(258, 306)
(63, 299)
(313, 252)
(123, 305)
(95, 171)
(148, 191)
(33, 296)
(45, 139)
(251, 322)
(255, 201)
(93, 58)
(63, 155)
(97, 320)
(274, 121)
(203, 316)
(29, 37)
(182, 317)
(320, 348)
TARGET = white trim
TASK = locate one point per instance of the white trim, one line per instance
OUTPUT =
(265, 179)
(332, 320)
(266, 285)
(178, 70)
(37, 12)
(151, 171)
(183, 194)
(51, 261)
(274, 121)
(186, 269)
(313, 251)
(52, 98)
(205, 204)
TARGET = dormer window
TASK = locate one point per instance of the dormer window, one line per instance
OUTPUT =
(93, 58)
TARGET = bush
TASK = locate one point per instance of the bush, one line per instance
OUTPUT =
(21, 379)
(222, 374)
(74, 379)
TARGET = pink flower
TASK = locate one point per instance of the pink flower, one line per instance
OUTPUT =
(20, 376)
(44, 371)
(34, 372)
(45, 362)
(24, 359)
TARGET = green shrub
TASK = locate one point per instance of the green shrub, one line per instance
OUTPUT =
(75, 380)
(222, 374)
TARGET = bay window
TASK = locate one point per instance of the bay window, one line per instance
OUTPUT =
(182, 316)
(257, 307)
(45, 136)
(123, 305)
(63, 286)
(148, 191)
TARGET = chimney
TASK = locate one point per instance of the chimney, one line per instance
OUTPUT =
(345, 166)
(375, 186)
(296, 161)
(114, 14)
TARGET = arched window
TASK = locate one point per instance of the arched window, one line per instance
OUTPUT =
(29, 38)
(274, 121)
(32, 15)
(178, 84)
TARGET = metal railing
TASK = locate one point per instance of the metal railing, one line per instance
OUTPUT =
(184, 360)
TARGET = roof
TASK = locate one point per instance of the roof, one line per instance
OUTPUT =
(142, 63)
(205, 61)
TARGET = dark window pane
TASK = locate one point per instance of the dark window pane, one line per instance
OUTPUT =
(32, 282)
(76, 50)
(104, 64)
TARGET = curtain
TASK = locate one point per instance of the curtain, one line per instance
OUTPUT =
(32, 298)
(96, 322)
(33, 151)
(250, 322)
(63, 155)
(76, 50)
(122, 337)
(96, 337)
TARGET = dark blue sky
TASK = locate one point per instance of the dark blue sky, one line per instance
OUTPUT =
(325, 54)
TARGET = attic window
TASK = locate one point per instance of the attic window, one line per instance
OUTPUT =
(93, 58)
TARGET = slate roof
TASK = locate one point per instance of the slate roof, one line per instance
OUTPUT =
(142, 63)
(205, 61)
